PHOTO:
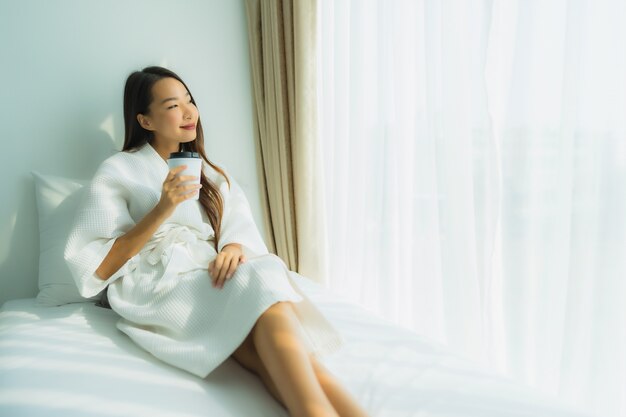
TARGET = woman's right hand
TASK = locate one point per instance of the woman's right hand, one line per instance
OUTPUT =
(175, 192)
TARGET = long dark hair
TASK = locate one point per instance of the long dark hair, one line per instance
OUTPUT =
(137, 99)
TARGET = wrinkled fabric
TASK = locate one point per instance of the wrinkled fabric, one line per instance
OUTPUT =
(164, 293)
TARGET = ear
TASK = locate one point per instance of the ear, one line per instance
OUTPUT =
(144, 122)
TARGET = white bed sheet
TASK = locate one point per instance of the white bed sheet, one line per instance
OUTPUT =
(72, 361)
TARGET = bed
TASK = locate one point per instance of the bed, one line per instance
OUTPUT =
(62, 355)
(71, 360)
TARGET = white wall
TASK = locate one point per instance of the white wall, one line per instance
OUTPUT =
(62, 70)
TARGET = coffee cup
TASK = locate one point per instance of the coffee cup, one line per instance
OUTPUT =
(194, 166)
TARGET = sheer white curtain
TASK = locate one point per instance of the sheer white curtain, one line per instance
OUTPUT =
(475, 174)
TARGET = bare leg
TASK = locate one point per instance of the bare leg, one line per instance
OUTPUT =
(340, 398)
(248, 357)
(277, 340)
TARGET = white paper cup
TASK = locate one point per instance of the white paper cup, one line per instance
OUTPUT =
(194, 166)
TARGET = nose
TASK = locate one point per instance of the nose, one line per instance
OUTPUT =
(188, 112)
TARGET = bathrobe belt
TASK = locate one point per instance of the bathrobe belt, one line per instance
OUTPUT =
(165, 247)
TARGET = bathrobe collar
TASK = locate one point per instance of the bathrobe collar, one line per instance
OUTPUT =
(149, 152)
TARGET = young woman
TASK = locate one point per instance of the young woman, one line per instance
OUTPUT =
(191, 279)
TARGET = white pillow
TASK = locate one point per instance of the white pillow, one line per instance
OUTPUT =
(57, 201)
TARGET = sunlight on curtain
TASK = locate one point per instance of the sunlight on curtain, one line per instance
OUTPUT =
(475, 171)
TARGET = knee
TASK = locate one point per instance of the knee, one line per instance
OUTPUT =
(282, 307)
(276, 312)
(279, 309)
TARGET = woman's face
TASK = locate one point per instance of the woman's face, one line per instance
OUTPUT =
(172, 116)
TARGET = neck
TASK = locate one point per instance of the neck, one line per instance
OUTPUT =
(164, 150)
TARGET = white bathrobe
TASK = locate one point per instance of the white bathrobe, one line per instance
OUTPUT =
(164, 294)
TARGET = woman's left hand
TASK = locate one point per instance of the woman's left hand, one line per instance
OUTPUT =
(225, 263)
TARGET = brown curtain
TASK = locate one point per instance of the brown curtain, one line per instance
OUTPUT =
(282, 37)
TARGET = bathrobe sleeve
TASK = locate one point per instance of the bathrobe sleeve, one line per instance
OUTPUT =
(101, 218)
(238, 225)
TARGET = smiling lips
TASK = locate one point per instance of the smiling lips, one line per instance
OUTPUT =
(188, 127)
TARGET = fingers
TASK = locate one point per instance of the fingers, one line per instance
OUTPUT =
(234, 262)
(176, 188)
(174, 171)
(182, 192)
(178, 179)
(222, 268)
(172, 175)
(214, 273)
(189, 190)
(215, 267)
(211, 268)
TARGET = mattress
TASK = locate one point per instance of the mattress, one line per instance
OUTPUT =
(71, 361)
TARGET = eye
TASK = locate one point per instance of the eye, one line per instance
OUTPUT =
(171, 107)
